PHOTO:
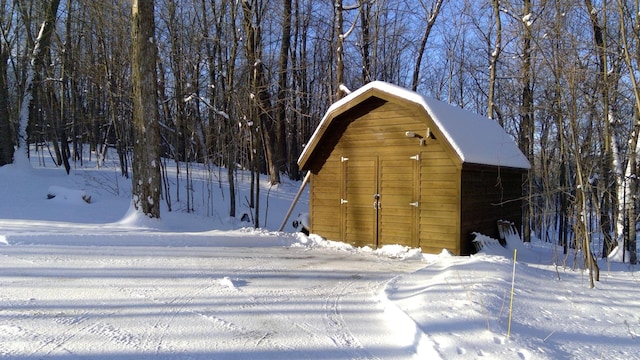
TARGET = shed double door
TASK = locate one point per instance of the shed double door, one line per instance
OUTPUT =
(379, 204)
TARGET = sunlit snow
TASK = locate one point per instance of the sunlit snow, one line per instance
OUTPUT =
(99, 280)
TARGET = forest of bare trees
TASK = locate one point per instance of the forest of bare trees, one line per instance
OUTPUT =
(242, 84)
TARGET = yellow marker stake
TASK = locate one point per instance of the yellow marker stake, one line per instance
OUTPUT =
(513, 283)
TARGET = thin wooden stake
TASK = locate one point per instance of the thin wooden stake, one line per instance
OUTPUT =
(513, 283)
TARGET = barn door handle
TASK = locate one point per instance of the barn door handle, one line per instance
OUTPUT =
(377, 205)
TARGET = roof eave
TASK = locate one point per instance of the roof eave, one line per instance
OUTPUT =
(334, 110)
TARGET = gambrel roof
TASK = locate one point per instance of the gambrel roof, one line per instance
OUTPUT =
(475, 138)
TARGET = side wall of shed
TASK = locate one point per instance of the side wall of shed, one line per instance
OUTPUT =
(489, 194)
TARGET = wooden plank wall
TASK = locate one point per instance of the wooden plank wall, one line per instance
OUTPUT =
(440, 200)
(379, 133)
(358, 214)
(324, 200)
(398, 186)
(489, 194)
(454, 199)
(443, 218)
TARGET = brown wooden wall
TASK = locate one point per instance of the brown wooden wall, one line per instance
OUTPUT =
(440, 200)
(489, 194)
(375, 144)
(371, 152)
(324, 200)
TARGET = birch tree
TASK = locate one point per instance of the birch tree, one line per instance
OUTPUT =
(632, 61)
(33, 66)
(611, 216)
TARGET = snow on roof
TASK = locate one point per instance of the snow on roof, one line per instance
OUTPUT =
(475, 138)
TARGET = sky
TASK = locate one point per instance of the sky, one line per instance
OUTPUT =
(98, 280)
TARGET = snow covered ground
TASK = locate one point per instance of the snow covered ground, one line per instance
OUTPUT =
(97, 281)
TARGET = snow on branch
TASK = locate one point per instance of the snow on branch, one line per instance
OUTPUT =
(344, 89)
(213, 108)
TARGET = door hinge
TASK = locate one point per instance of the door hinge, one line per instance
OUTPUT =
(343, 159)
(414, 204)
(343, 201)
(415, 157)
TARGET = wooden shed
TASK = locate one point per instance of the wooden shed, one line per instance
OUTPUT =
(389, 166)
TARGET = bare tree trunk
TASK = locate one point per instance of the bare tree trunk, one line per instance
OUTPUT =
(232, 129)
(610, 163)
(297, 133)
(341, 35)
(527, 123)
(630, 185)
(632, 188)
(432, 15)
(493, 60)
(65, 111)
(259, 98)
(582, 189)
(365, 23)
(6, 133)
(339, 51)
(39, 49)
(259, 94)
(280, 126)
(146, 159)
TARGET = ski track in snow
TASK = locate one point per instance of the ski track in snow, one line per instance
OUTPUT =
(206, 303)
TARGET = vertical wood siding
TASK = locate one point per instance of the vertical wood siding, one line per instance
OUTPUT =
(489, 194)
(379, 161)
(440, 200)
(371, 154)
(324, 200)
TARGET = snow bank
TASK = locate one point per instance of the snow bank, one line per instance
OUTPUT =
(389, 251)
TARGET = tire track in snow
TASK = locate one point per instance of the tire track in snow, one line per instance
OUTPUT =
(335, 324)
(331, 327)
(270, 301)
(9, 349)
(74, 326)
(275, 302)
(154, 338)
(174, 306)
